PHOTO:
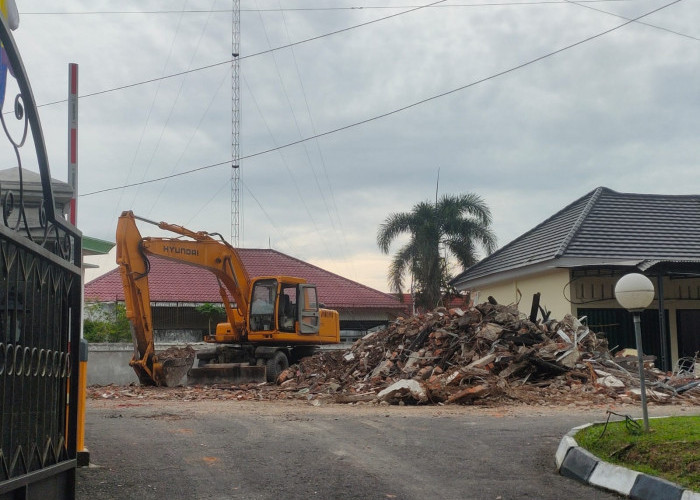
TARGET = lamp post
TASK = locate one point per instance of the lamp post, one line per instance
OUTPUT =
(635, 292)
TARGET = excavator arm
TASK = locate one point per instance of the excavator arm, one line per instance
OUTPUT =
(201, 250)
(134, 268)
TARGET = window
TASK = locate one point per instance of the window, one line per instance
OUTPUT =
(310, 319)
(262, 309)
(287, 308)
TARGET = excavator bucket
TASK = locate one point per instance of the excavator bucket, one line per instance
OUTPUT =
(173, 364)
(173, 370)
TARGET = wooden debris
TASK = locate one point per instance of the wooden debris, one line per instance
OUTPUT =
(488, 354)
(452, 352)
(469, 394)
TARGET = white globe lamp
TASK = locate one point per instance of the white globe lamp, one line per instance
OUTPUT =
(634, 292)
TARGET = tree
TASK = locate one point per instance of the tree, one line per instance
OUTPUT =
(459, 224)
(106, 324)
(211, 311)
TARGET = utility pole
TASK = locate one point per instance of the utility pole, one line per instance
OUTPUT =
(437, 187)
(73, 140)
(235, 124)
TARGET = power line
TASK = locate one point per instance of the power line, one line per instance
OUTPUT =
(300, 42)
(285, 238)
(211, 198)
(341, 233)
(581, 4)
(302, 198)
(150, 181)
(177, 97)
(403, 108)
(189, 140)
(146, 122)
(144, 82)
(228, 61)
(472, 84)
(308, 9)
(102, 12)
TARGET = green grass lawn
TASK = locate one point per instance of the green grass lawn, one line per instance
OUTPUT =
(670, 450)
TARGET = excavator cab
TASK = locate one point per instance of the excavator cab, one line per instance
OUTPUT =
(290, 307)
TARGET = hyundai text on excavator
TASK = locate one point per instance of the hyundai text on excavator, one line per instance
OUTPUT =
(271, 320)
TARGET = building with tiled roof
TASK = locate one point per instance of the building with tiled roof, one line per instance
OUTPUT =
(175, 289)
(29, 183)
(575, 257)
(15, 180)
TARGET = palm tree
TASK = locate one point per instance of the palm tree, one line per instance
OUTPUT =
(457, 223)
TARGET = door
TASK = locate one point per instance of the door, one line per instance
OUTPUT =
(308, 309)
(618, 327)
(688, 332)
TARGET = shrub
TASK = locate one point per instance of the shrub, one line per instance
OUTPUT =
(106, 324)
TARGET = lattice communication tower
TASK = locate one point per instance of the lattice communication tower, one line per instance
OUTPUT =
(235, 124)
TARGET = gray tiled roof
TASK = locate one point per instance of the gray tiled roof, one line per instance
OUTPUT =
(604, 225)
(9, 179)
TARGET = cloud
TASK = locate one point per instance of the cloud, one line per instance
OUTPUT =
(618, 111)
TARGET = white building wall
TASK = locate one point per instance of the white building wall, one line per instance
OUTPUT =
(552, 286)
(102, 263)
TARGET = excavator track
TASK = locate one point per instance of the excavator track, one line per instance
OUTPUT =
(226, 373)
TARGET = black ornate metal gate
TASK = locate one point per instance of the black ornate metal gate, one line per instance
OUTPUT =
(40, 287)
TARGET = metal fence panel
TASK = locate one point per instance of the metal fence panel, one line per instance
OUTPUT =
(40, 295)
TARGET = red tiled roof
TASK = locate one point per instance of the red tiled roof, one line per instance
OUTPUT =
(176, 282)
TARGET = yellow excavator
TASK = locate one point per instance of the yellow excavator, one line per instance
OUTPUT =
(271, 320)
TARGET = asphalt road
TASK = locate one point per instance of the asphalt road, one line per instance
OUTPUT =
(244, 450)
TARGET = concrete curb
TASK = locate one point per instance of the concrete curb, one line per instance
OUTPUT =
(575, 462)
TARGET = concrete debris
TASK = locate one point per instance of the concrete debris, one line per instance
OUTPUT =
(490, 331)
(651, 394)
(611, 381)
(407, 390)
(489, 354)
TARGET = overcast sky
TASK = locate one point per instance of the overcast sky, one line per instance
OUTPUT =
(620, 110)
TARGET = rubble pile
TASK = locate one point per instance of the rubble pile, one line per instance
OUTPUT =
(170, 353)
(490, 352)
(488, 355)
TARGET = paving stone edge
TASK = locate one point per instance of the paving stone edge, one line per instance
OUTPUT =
(575, 462)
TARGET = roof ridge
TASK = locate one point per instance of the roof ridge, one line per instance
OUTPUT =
(657, 195)
(577, 225)
(519, 238)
